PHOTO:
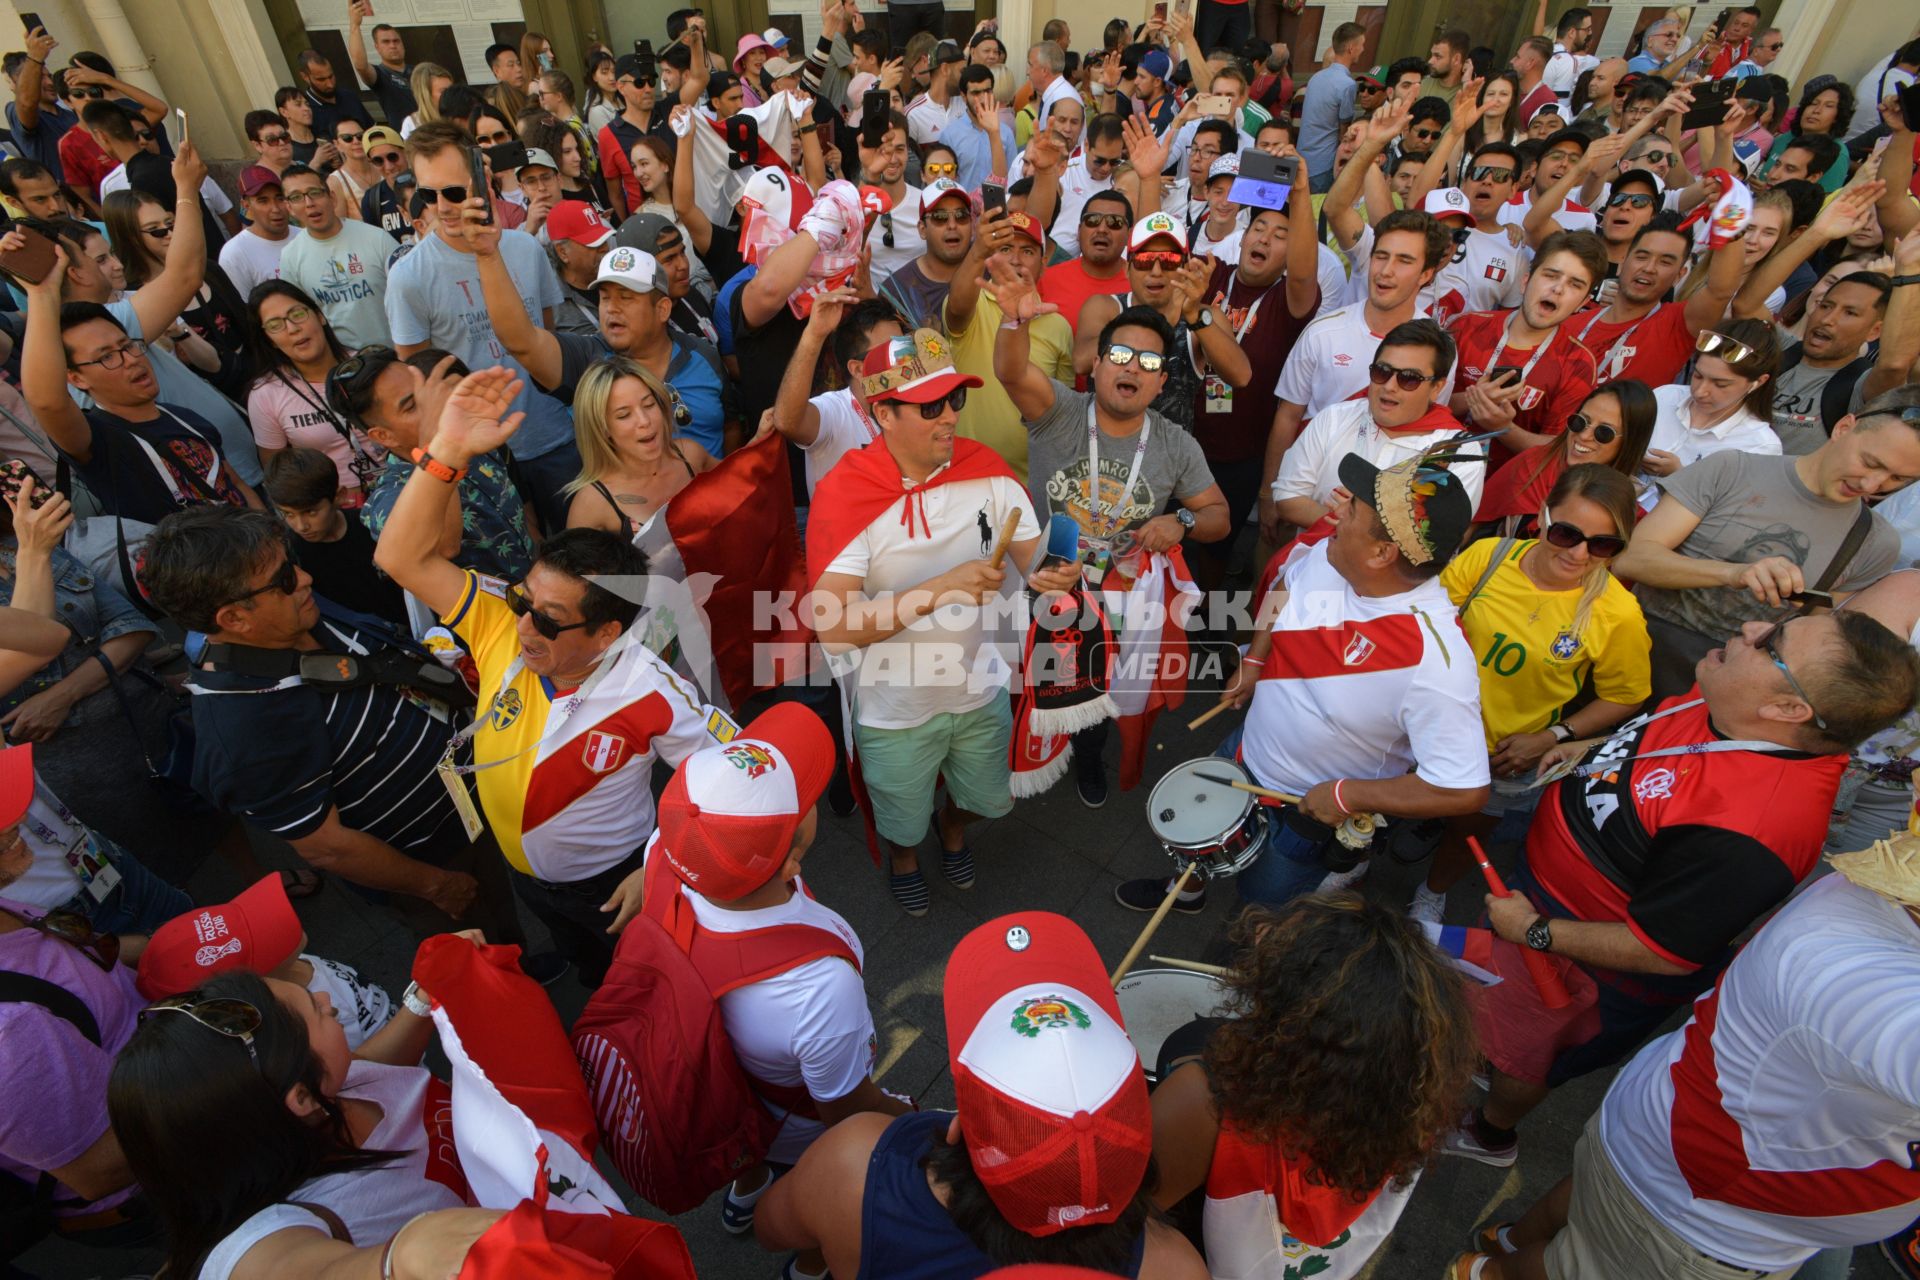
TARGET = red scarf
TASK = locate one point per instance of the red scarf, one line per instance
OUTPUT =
(864, 483)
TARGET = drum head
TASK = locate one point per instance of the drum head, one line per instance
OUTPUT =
(1187, 810)
(1155, 1003)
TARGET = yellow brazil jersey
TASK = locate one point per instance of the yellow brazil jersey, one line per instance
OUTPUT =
(1530, 661)
(565, 775)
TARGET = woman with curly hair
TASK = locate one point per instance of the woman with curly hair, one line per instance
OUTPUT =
(1825, 110)
(1307, 1115)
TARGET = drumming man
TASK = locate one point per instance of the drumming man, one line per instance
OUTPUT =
(1363, 690)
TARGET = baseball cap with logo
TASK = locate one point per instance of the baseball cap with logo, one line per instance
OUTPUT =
(633, 268)
(256, 178)
(916, 368)
(1224, 167)
(1449, 202)
(1156, 225)
(580, 222)
(728, 816)
(1029, 226)
(1053, 1106)
(1424, 506)
(941, 189)
(1157, 64)
(536, 158)
(775, 37)
(257, 931)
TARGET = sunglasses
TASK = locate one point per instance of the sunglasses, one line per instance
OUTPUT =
(1490, 173)
(1428, 134)
(1150, 361)
(160, 232)
(1632, 200)
(941, 169)
(1148, 259)
(276, 139)
(1101, 162)
(234, 1019)
(1111, 221)
(955, 399)
(452, 195)
(1710, 343)
(349, 376)
(1578, 424)
(347, 137)
(141, 135)
(942, 217)
(522, 606)
(286, 581)
(293, 315)
(78, 932)
(388, 158)
(1769, 644)
(1568, 536)
(1406, 379)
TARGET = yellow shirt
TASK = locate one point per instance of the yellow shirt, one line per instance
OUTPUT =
(989, 416)
(1531, 662)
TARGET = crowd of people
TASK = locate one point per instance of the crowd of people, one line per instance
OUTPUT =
(542, 491)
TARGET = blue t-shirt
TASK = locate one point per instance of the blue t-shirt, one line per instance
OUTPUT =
(434, 297)
(1328, 108)
(1644, 63)
(974, 150)
(695, 373)
(42, 142)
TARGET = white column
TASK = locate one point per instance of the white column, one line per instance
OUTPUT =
(1804, 25)
(1017, 33)
(246, 44)
(121, 46)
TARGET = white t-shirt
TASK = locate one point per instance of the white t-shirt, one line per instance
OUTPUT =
(1564, 69)
(809, 1025)
(1311, 467)
(1363, 686)
(210, 193)
(1672, 432)
(907, 243)
(373, 1203)
(926, 118)
(1488, 272)
(843, 428)
(248, 259)
(1573, 215)
(1076, 185)
(1059, 90)
(1753, 1132)
(950, 660)
(1226, 249)
(1329, 362)
(361, 1007)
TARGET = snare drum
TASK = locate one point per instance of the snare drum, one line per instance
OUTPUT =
(1217, 828)
(1155, 1003)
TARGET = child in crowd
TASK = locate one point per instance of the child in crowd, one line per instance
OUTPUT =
(329, 542)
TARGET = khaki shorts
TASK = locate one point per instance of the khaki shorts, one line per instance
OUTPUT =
(1610, 1235)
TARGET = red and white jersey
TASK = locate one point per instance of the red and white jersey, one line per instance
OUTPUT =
(1573, 215)
(1363, 686)
(1785, 1117)
(1329, 362)
(1311, 466)
(1266, 1220)
(1558, 374)
(1488, 270)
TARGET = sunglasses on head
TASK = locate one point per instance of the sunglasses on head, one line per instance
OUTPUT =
(1111, 221)
(1490, 173)
(1119, 354)
(78, 932)
(1578, 424)
(1710, 343)
(1148, 259)
(1568, 536)
(1632, 200)
(234, 1019)
(1406, 379)
(521, 605)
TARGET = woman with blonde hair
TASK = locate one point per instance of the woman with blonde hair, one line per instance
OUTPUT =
(1544, 616)
(428, 81)
(630, 464)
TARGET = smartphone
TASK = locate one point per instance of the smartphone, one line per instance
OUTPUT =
(31, 21)
(1214, 104)
(32, 260)
(1807, 596)
(1160, 10)
(1264, 181)
(1183, 7)
(876, 105)
(1710, 103)
(1504, 375)
(643, 49)
(1910, 105)
(181, 114)
(742, 133)
(15, 473)
(992, 196)
(1063, 541)
(507, 157)
(477, 181)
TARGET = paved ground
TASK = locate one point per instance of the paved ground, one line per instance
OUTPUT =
(1052, 854)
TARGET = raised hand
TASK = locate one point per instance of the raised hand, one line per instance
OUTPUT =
(1849, 211)
(1146, 151)
(189, 170)
(1194, 276)
(1389, 121)
(892, 73)
(829, 308)
(47, 289)
(1467, 107)
(1738, 117)
(39, 528)
(1603, 154)
(1017, 297)
(1045, 152)
(1676, 103)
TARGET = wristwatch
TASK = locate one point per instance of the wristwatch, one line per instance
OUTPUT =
(438, 469)
(416, 1002)
(1540, 934)
(1562, 732)
(1204, 320)
(1183, 515)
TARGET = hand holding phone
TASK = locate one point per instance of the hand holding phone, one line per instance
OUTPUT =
(992, 196)
(478, 184)
(876, 105)
(1219, 105)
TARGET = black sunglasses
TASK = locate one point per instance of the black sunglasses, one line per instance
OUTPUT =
(1632, 199)
(452, 195)
(1568, 536)
(1111, 221)
(350, 377)
(522, 606)
(1578, 424)
(78, 932)
(234, 1019)
(1489, 173)
(389, 158)
(286, 581)
(1405, 379)
(956, 399)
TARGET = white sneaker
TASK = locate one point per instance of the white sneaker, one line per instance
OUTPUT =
(1427, 906)
(1344, 879)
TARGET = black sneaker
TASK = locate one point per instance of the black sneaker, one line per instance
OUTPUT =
(1090, 779)
(1147, 895)
(544, 967)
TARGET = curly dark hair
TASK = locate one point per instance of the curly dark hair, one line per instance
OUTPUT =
(1351, 1041)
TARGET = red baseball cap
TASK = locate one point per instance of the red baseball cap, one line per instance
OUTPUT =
(257, 931)
(1052, 1102)
(916, 368)
(728, 816)
(16, 783)
(580, 222)
(1029, 226)
(256, 178)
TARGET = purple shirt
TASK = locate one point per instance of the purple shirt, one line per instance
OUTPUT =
(53, 1080)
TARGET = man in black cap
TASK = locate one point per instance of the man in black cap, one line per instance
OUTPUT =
(1364, 694)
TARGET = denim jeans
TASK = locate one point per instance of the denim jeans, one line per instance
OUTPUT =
(140, 903)
(1288, 866)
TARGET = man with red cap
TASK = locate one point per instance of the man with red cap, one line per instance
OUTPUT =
(735, 822)
(901, 552)
(1045, 1157)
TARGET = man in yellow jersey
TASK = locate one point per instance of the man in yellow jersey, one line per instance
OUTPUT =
(574, 709)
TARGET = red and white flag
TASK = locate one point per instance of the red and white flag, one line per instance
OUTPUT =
(1154, 665)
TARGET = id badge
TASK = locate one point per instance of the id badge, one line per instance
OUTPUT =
(1219, 394)
(1096, 553)
(104, 879)
(462, 798)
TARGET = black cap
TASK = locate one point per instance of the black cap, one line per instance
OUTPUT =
(1424, 506)
(944, 52)
(631, 64)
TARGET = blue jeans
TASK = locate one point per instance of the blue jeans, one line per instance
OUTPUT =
(1288, 866)
(140, 903)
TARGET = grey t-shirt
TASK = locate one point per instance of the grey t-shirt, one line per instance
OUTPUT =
(1172, 466)
(1796, 406)
(1750, 508)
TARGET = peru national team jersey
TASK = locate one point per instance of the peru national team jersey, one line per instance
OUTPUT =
(565, 776)
(1488, 270)
(1329, 362)
(1266, 1220)
(1363, 686)
(1652, 350)
(1573, 215)
(1557, 384)
(1782, 1119)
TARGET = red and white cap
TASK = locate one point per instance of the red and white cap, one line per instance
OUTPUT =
(1157, 226)
(941, 189)
(257, 931)
(916, 368)
(16, 783)
(1052, 1102)
(774, 191)
(1449, 202)
(580, 222)
(728, 816)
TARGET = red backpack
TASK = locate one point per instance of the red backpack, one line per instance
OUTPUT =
(678, 1113)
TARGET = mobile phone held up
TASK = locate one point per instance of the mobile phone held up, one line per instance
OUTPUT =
(1264, 181)
(32, 260)
(992, 196)
(876, 106)
(31, 21)
(477, 182)
(1710, 102)
(13, 476)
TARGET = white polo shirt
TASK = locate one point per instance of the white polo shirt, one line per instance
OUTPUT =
(926, 118)
(957, 658)
(844, 427)
(1329, 362)
(1076, 186)
(1311, 467)
(1363, 687)
(905, 226)
(1673, 432)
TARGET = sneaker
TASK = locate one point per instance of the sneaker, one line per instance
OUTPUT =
(1090, 779)
(909, 889)
(958, 867)
(1468, 1266)
(840, 794)
(1463, 1141)
(1495, 1240)
(544, 967)
(1903, 1252)
(790, 1270)
(1427, 906)
(736, 1210)
(1337, 880)
(1147, 895)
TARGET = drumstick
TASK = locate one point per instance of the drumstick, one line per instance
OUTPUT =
(1192, 966)
(1205, 716)
(1546, 979)
(1146, 934)
(1238, 785)
(1006, 538)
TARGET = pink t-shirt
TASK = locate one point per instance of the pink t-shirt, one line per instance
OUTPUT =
(287, 415)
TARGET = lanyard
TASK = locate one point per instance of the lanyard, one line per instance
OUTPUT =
(1690, 749)
(1506, 331)
(362, 463)
(1246, 322)
(1103, 522)
(557, 715)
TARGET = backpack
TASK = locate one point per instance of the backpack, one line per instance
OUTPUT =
(26, 1208)
(677, 1112)
(1835, 396)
